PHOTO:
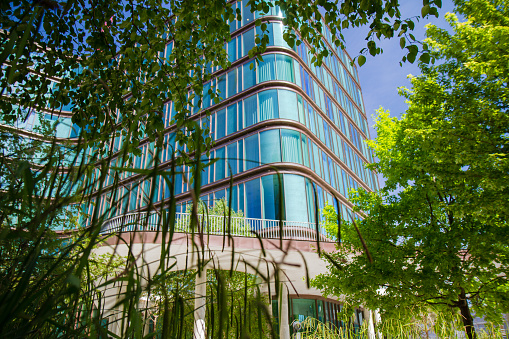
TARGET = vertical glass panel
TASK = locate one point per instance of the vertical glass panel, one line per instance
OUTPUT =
(178, 180)
(251, 152)
(278, 35)
(241, 198)
(205, 173)
(233, 23)
(232, 82)
(268, 105)
(253, 196)
(302, 114)
(249, 75)
(241, 155)
(232, 50)
(316, 156)
(295, 205)
(288, 105)
(303, 308)
(320, 310)
(284, 66)
(221, 124)
(269, 32)
(311, 119)
(133, 201)
(247, 15)
(239, 47)
(266, 69)
(220, 164)
(248, 40)
(232, 119)
(325, 167)
(291, 148)
(219, 195)
(271, 146)
(234, 199)
(232, 159)
(305, 152)
(221, 86)
(271, 197)
(296, 67)
(250, 111)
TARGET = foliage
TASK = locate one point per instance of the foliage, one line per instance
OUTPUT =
(237, 308)
(437, 231)
(220, 207)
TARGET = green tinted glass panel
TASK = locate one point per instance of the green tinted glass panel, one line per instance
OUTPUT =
(271, 146)
(268, 105)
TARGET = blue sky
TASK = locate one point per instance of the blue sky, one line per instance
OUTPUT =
(381, 75)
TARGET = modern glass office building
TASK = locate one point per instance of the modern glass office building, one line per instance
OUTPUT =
(284, 128)
(288, 139)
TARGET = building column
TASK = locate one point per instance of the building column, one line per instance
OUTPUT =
(200, 293)
(371, 326)
(284, 325)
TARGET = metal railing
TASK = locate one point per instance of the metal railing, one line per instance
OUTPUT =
(216, 225)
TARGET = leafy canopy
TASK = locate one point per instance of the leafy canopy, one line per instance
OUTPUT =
(437, 231)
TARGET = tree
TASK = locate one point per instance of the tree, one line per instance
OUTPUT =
(437, 232)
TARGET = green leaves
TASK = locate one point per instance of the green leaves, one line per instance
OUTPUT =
(361, 60)
(437, 230)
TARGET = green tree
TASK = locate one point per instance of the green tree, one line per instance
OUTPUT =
(437, 232)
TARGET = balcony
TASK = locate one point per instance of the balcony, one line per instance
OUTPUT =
(218, 225)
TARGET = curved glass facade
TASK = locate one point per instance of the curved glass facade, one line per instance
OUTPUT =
(282, 128)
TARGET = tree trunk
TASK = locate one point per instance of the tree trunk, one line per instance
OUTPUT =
(468, 321)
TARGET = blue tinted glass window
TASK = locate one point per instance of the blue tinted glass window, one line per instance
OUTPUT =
(302, 107)
(232, 50)
(220, 164)
(271, 197)
(233, 23)
(310, 195)
(271, 146)
(253, 196)
(134, 198)
(250, 111)
(325, 168)
(205, 172)
(206, 96)
(251, 152)
(305, 152)
(290, 145)
(249, 75)
(221, 86)
(248, 40)
(288, 105)
(268, 105)
(232, 159)
(266, 69)
(247, 15)
(278, 35)
(269, 32)
(241, 198)
(232, 82)
(221, 124)
(232, 119)
(296, 68)
(316, 156)
(240, 163)
(284, 66)
(295, 191)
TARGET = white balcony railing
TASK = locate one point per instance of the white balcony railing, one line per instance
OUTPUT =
(216, 225)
